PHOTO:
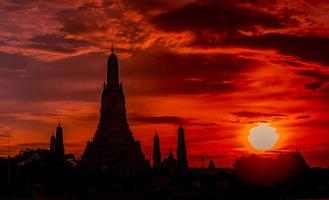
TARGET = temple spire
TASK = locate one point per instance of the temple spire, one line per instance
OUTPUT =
(112, 71)
(181, 150)
(113, 146)
(59, 148)
(156, 151)
(52, 147)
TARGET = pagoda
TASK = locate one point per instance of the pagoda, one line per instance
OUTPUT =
(113, 146)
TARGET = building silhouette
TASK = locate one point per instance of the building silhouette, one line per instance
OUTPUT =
(211, 165)
(52, 145)
(286, 166)
(59, 145)
(156, 152)
(170, 163)
(181, 150)
(113, 146)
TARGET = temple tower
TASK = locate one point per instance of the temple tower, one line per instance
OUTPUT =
(113, 146)
(59, 146)
(181, 150)
(156, 151)
(112, 71)
(52, 145)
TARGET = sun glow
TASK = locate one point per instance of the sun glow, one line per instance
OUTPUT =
(263, 137)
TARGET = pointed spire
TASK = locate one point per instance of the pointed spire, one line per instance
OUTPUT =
(181, 149)
(156, 151)
(112, 71)
(52, 146)
(59, 147)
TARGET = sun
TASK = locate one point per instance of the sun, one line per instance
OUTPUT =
(263, 137)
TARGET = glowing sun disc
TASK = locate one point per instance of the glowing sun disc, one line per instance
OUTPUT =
(263, 137)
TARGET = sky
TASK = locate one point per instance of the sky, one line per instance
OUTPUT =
(218, 67)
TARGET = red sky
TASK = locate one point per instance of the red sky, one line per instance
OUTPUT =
(220, 67)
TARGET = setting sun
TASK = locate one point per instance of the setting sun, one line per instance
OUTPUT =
(263, 137)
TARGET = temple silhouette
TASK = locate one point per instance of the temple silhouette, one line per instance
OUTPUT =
(57, 143)
(181, 150)
(113, 146)
(113, 166)
(156, 151)
(170, 163)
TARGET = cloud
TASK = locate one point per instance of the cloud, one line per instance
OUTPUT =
(5, 132)
(31, 145)
(216, 16)
(248, 114)
(162, 72)
(31, 80)
(245, 24)
(5, 135)
(245, 121)
(172, 120)
(303, 117)
(310, 48)
(314, 85)
(321, 79)
(56, 43)
(314, 74)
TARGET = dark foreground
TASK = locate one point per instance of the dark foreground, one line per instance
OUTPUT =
(37, 174)
(198, 184)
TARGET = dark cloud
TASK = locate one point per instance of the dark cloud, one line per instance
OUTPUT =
(315, 74)
(56, 43)
(155, 119)
(82, 21)
(210, 134)
(310, 48)
(248, 114)
(31, 145)
(149, 5)
(16, 61)
(217, 16)
(61, 80)
(320, 79)
(172, 120)
(210, 21)
(108, 20)
(303, 117)
(168, 73)
(5, 135)
(244, 121)
(90, 17)
(314, 85)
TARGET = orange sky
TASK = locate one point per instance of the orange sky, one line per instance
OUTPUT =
(220, 67)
